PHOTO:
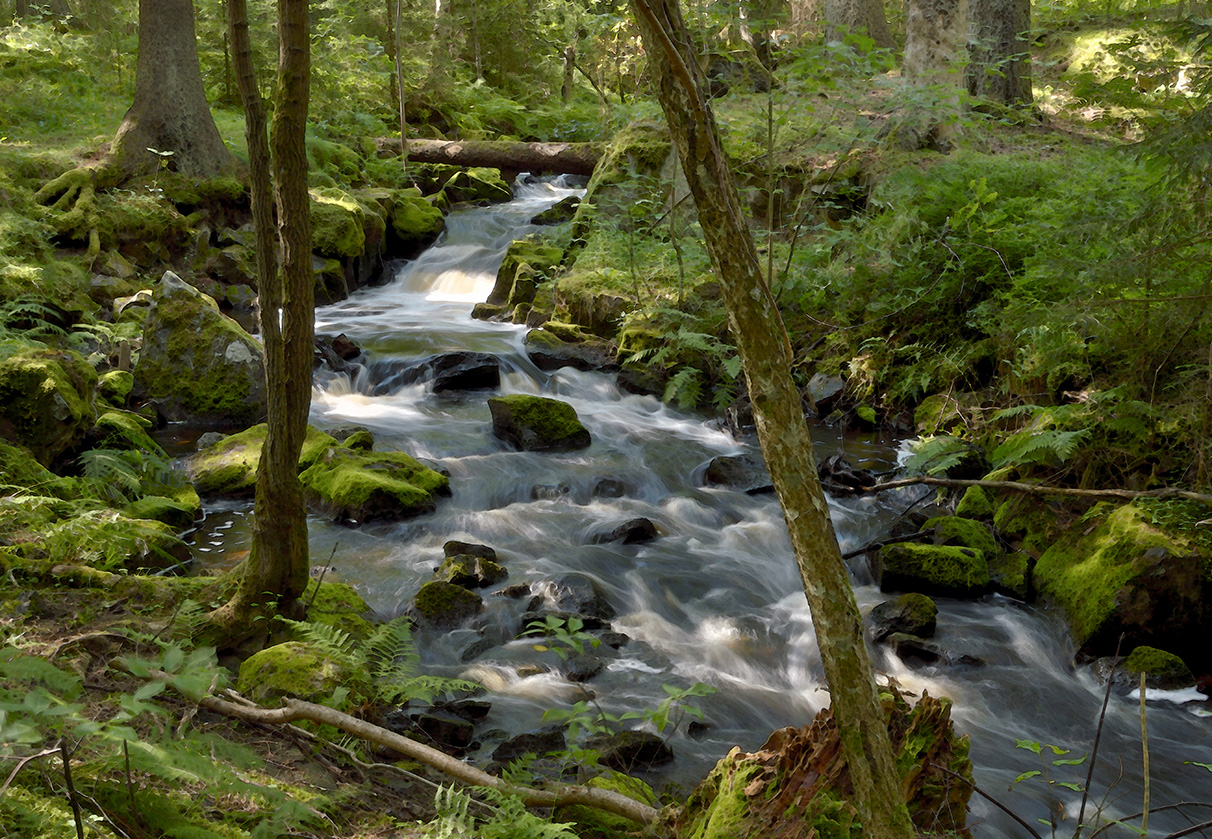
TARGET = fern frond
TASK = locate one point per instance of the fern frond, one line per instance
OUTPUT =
(935, 455)
(686, 388)
(1038, 447)
(332, 641)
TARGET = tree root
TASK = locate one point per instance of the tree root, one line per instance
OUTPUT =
(1037, 489)
(73, 197)
(296, 709)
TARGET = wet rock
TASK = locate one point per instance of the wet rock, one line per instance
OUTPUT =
(46, 400)
(642, 381)
(825, 390)
(609, 488)
(631, 751)
(1163, 670)
(739, 472)
(352, 486)
(613, 640)
(541, 742)
(477, 184)
(913, 614)
(1012, 575)
(526, 264)
(470, 571)
(444, 729)
(445, 605)
(839, 477)
(697, 730)
(453, 547)
(559, 213)
(912, 649)
(197, 364)
(473, 710)
(535, 423)
(337, 353)
(551, 352)
(581, 667)
(549, 492)
(631, 532)
(465, 371)
(931, 569)
(476, 649)
(413, 225)
(576, 593)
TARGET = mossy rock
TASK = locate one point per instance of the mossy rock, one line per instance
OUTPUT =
(911, 613)
(1115, 572)
(541, 259)
(639, 149)
(471, 571)
(178, 515)
(20, 470)
(477, 184)
(536, 423)
(932, 569)
(1163, 670)
(124, 430)
(198, 364)
(340, 606)
(229, 467)
(338, 224)
(964, 533)
(46, 398)
(1027, 521)
(296, 668)
(415, 223)
(1011, 574)
(353, 486)
(444, 605)
(975, 504)
(560, 212)
(592, 823)
(359, 441)
(114, 386)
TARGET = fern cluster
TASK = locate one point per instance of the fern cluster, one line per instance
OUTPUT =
(509, 820)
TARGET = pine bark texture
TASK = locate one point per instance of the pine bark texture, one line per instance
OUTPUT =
(842, 16)
(999, 67)
(567, 158)
(757, 328)
(936, 34)
(170, 112)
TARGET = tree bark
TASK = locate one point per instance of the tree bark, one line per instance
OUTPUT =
(169, 113)
(936, 32)
(999, 67)
(843, 16)
(757, 327)
(567, 158)
(22, 10)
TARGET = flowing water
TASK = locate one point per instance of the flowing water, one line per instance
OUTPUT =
(716, 598)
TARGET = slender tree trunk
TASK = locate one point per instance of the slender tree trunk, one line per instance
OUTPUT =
(844, 16)
(999, 65)
(400, 90)
(22, 9)
(757, 327)
(170, 112)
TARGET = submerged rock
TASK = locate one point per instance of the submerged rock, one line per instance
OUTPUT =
(794, 787)
(631, 751)
(538, 424)
(542, 742)
(197, 364)
(550, 351)
(631, 532)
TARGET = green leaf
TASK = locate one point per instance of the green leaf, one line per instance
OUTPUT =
(1069, 785)
(1026, 775)
(1029, 745)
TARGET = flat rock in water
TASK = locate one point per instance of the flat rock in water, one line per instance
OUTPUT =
(740, 472)
(631, 751)
(542, 742)
(537, 424)
(630, 532)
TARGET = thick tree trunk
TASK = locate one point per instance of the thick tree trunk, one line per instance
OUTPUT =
(756, 325)
(170, 113)
(566, 158)
(999, 65)
(843, 16)
(936, 33)
(22, 10)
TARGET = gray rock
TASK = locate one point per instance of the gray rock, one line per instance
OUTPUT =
(739, 472)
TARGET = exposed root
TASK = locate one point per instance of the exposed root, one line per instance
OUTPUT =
(73, 196)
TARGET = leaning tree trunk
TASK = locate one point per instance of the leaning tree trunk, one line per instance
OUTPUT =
(999, 54)
(757, 327)
(170, 113)
(843, 16)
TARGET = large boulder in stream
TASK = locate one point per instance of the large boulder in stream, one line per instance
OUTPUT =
(537, 424)
(228, 468)
(931, 569)
(198, 365)
(795, 786)
(46, 400)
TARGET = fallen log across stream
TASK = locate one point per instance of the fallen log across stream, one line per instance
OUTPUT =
(551, 158)
(1040, 489)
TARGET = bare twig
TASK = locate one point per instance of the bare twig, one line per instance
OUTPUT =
(999, 805)
(1098, 734)
(71, 790)
(1038, 489)
(21, 764)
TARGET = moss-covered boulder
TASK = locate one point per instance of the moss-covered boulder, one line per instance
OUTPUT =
(471, 571)
(296, 668)
(1163, 670)
(114, 386)
(964, 533)
(975, 504)
(20, 471)
(356, 486)
(592, 823)
(537, 424)
(526, 262)
(794, 787)
(229, 467)
(444, 605)
(931, 569)
(116, 429)
(176, 513)
(1115, 572)
(477, 184)
(551, 348)
(338, 605)
(1027, 522)
(414, 224)
(1011, 574)
(338, 224)
(46, 398)
(197, 364)
(560, 212)
(911, 613)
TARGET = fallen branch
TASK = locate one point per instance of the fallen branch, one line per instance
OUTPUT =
(1036, 489)
(296, 709)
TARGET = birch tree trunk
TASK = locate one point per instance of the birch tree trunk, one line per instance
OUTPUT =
(757, 327)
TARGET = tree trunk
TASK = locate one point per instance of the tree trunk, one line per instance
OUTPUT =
(936, 32)
(756, 325)
(566, 158)
(845, 16)
(170, 113)
(999, 67)
(22, 10)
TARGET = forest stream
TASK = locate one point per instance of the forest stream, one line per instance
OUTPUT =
(716, 597)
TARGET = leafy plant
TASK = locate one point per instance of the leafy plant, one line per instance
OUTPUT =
(509, 820)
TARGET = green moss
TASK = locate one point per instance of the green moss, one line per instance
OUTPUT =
(592, 823)
(360, 441)
(1011, 574)
(294, 669)
(415, 221)
(933, 569)
(338, 605)
(471, 571)
(445, 604)
(975, 504)
(229, 467)
(143, 221)
(965, 533)
(337, 224)
(477, 184)
(1028, 521)
(124, 430)
(176, 514)
(719, 806)
(20, 470)
(1087, 570)
(528, 258)
(114, 386)
(1162, 669)
(356, 486)
(45, 398)
(538, 423)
